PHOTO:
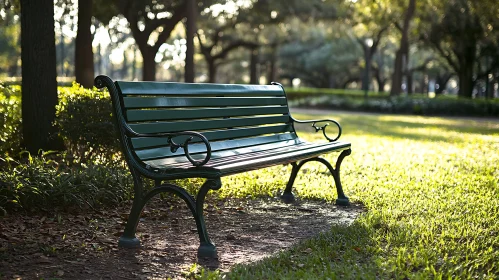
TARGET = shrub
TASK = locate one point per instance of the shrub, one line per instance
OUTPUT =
(10, 120)
(416, 105)
(85, 123)
(41, 183)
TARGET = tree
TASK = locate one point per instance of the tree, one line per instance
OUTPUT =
(39, 84)
(84, 56)
(463, 33)
(402, 55)
(10, 51)
(190, 32)
(151, 23)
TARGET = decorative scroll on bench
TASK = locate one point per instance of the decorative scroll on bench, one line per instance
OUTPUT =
(177, 130)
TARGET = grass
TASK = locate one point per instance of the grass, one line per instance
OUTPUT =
(430, 186)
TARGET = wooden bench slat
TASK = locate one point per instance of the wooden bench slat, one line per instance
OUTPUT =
(225, 156)
(201, 125)
(228, 161)
(182, 114)
(216, 135)
(276, 140)
(155, 88)
(282, 158)
(178, 102)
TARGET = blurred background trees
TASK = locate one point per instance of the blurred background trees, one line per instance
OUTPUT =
(401, 47)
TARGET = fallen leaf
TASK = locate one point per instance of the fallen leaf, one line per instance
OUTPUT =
(308, 250)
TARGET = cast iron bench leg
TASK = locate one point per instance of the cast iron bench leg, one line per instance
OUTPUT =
(128, 239)
(288, 196)
(206, 247)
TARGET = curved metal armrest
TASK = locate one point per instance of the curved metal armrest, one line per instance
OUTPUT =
(174, 146)
(323, 128)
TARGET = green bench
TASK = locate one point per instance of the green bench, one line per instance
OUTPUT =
(173, 131)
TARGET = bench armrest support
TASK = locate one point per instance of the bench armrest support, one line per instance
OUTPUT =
(323, 127)
(314, 122)
(175, 146)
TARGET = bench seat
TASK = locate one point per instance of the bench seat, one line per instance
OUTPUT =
(233, 161)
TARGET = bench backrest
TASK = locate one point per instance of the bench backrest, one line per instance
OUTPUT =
(230, 116)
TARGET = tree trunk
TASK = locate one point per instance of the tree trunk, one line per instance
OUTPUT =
(254, 66)
(466, 82)
(84, 56)
(148, 64)
(409, 82)
(402, 54)
(39, 84)
(212, 71)
(381, 85)
(124, 66)
(367, 60)
(190, 33)
(271, 72)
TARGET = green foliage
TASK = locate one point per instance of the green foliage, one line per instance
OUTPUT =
(10, 120)
(431, 190)
(42, 183)
(85, 123)
(381, 103)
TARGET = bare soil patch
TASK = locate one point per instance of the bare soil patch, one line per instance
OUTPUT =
(84, 246)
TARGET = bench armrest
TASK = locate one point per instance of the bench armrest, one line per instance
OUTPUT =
(323, 128)
(317, 128)
(174, 146)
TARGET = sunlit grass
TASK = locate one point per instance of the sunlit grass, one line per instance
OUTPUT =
(430, 186)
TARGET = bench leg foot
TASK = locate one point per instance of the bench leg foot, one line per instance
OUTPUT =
(207, 250)
(126, 242)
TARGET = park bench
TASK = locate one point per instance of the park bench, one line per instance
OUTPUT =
(172, 131)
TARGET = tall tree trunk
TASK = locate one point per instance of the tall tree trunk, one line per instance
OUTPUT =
(190, 33)
(212, 71)
(410, 77)
(466, 82)
(148, 64)
(367, 59)
(134, 64)
(62, 56)
(271, 73)
(254, 66)
(39, 84)
(84, 56)
(402, 54)
(124, 66)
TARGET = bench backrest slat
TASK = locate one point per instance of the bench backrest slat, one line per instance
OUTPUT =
(201, 113)
(206, 124)
(230, 116)
(177, 102)
(181, 89)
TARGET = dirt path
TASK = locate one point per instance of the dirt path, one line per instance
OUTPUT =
(68, 246)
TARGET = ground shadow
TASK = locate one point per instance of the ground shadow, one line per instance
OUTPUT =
(68, 246)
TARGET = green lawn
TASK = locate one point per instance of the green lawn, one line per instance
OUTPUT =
(430, 186)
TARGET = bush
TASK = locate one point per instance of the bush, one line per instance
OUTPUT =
(84, 122)
(41, 183)
(10, 120)
(416, 105)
